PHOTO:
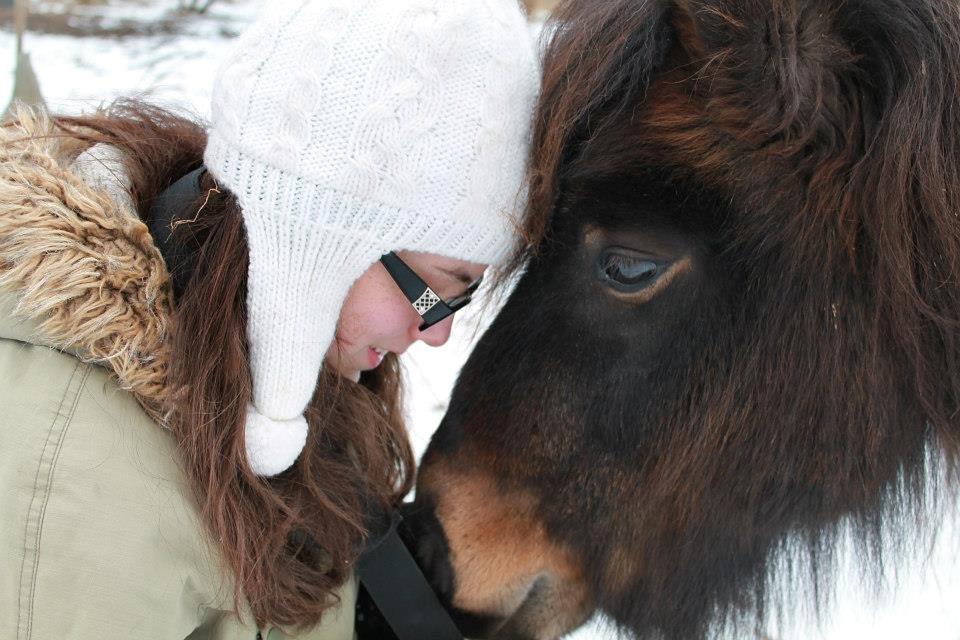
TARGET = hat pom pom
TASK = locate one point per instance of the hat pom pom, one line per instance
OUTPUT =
(273, 445)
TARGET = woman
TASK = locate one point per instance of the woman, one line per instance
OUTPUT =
(199, 338)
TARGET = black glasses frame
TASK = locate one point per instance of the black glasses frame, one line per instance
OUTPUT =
(427, 304)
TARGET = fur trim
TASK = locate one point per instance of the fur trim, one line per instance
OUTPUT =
(83, 268)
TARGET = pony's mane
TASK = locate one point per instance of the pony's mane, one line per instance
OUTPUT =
(827, 395)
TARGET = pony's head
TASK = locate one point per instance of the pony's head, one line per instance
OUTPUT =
(736, 323)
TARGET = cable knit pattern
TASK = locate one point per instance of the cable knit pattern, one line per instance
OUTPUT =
(349, 128)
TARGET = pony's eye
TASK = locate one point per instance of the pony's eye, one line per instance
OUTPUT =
(628, 272)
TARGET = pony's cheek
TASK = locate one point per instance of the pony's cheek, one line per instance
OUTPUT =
(505, 567)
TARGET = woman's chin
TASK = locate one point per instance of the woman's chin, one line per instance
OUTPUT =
(348, 373)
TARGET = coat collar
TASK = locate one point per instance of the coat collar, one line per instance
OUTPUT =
(14, 326)
(78, 270)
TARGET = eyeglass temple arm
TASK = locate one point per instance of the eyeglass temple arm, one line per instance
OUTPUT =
(409, 282)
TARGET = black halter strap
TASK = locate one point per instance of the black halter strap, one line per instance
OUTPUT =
(401, 593)
(179, 250)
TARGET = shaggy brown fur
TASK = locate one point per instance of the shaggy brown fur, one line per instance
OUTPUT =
(804, 157)
(88, 271)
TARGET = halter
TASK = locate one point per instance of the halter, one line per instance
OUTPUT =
(401, 593)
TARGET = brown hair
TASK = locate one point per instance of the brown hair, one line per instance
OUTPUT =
(289, 541)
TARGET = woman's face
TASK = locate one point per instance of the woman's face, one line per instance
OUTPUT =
(376, 317)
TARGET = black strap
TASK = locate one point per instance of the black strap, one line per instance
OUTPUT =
(401, 592)
(179, 250)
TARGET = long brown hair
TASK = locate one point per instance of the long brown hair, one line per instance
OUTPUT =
(288, 541)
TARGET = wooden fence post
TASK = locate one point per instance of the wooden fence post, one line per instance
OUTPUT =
(26, 88)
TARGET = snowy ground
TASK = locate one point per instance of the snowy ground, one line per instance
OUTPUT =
(174, 65)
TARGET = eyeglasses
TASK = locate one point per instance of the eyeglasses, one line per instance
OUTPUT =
(427, 303)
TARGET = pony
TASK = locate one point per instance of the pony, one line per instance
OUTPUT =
(734, 334)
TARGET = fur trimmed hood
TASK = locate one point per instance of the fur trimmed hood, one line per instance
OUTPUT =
(82, 267)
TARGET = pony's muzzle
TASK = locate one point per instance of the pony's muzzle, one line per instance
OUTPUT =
(489, 558)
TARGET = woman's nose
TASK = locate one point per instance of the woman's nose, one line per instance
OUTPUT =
(436, 335)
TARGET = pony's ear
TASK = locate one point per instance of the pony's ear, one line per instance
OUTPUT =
(684, 20)
(788, 57)
(811, 67)
(629, 41)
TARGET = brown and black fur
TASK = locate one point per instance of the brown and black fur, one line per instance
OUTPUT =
(800, 161)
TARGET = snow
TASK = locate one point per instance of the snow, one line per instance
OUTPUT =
(176, 69)
(79, 73)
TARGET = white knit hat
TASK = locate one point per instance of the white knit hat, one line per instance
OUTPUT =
(350, 128)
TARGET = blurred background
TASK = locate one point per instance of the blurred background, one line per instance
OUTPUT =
(74, 55)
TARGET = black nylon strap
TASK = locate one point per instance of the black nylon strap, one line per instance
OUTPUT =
(171, 205)
(401, 592)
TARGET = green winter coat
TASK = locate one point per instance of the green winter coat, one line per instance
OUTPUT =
(99, 533)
